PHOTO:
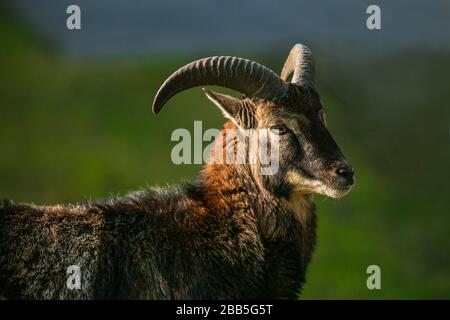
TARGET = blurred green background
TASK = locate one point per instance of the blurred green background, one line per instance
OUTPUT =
(81, 128)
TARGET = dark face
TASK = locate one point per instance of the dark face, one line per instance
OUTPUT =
(309, 159)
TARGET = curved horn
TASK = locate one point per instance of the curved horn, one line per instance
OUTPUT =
(245, 76)
(299, 61)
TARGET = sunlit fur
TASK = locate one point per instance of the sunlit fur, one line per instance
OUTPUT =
(231, 234)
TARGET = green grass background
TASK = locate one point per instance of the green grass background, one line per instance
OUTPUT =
(74, 129)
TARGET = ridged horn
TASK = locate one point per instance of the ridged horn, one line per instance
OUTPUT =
(299, 61)
(246, 76)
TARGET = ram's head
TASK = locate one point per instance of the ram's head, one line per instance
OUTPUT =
(309, 159)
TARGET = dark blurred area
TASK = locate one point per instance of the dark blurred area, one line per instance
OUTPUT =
(76, 121)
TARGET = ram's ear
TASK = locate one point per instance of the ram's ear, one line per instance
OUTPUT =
(242, 114)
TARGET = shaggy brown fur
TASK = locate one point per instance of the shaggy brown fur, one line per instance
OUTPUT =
(232, 234)
(219, 238)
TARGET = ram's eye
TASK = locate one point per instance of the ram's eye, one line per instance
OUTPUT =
(323, 117)
(279, 128)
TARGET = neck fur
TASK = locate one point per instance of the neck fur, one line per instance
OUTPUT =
(224, 186)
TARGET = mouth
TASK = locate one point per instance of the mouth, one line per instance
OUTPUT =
(336, 188)
(341, 184)
(345, 190)
(308, 183)
(346, 187)
(334, 192)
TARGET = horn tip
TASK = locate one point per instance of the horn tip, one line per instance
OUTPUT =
(156, 108)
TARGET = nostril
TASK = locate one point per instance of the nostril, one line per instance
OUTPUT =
(344, 171)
